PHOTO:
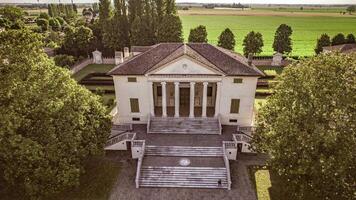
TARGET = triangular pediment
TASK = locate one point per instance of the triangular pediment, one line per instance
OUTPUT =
(185, 61)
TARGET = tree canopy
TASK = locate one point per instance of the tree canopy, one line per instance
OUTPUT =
(338, 39)
(170, 29)
(308, 127)
(253, 43)
(77, 41)
(282, 39)
(323, 41)
(198, 34)
(49, 124)
(227, 39)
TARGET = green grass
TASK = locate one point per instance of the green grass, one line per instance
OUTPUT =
(306, 9)
(97, 182)
(92, 68)
(269, 185)
(306, 29)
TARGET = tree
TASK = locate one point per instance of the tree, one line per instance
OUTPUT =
(5, 23)
(309, 128)
(104, 13)
(227, 39)
(323, 41)
(54, 24)
(49, 124)
(351, 9)
(12, 13)
(170, 29)
(160, 10)
(77, 41)
(350, 39)
(338, 39)
(170, 7)
(43, 24)
(282, 41)
(253, 43)
(43, 16)
(198, 34)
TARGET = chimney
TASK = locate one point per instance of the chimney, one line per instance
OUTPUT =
(119, 58)
(250, 58)
(277, 59)
(126, 52)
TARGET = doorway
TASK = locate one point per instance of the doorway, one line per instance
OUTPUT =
(184, 101)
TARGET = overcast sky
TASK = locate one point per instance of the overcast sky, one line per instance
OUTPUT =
(208, 1)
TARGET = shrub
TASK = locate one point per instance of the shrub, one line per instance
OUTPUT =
(43, 23)
(43, 16)
(61, 20)
(338, 39)
(65, 61)
(55, 25)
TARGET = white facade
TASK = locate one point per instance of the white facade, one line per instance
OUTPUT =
(213, 92)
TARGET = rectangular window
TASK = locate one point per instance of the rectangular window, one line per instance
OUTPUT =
(235, 106)
(135, 119)
(210, 91)
(131, 79)
(237, 80)
(134, 105)
(233, 120)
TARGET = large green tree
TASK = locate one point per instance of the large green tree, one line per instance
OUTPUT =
(323, 41)
(198, 34)
(227, 39)
(12, 13)
(308, 127)
(253, 43)
(282, 39)
(170, 29)
(170, 7)
(49, 124)
(77, 41)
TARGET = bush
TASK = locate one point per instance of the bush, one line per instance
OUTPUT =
(43, 16)
(65, 61)
(55, 25)
(61, 20)
(43, 24)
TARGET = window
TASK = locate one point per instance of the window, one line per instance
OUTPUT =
(235, 106)
(210, 91)
(237, 80)
(135, 119)
(134, 106)
(233, 120)
(131, 79)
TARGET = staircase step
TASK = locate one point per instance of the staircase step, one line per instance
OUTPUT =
(183, 151)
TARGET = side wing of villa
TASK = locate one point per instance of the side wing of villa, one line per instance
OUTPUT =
(184, 110)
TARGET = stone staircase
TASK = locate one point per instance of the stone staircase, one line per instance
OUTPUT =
(188, 177)
(183, 151)
(161, 167)
(184, 125)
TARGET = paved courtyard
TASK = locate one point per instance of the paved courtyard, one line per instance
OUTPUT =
(124, 189)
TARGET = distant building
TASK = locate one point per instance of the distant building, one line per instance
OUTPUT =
(343, 48)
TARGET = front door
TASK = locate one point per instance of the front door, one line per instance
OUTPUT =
(184, 98)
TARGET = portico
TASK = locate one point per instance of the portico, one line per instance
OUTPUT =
(181, 97)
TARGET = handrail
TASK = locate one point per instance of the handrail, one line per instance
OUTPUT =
(139, 163)
(245, 129)
(148, 123)
(220, 127)
(119, 138)
(242, 137)
(227, 165)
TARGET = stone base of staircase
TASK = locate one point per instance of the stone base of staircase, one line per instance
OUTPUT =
(173, 125)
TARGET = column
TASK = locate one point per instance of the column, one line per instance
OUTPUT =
(217, 101)
(205, 96)
(164, 99)
(192, 92)
(152, 109)
(176, 99)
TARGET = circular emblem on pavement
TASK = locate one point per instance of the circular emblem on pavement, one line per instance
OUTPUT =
(184, 162)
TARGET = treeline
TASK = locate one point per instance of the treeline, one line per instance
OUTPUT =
(137, 22)
(338, 39)
(62, 10)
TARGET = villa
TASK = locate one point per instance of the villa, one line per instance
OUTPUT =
(183, 110)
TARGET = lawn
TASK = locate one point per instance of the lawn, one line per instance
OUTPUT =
(306, 29)
(269, 185)
(92, 68)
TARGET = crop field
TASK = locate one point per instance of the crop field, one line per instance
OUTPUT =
(307, 26)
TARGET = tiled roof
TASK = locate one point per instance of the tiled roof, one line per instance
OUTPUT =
(229, 63)
(141, 49)
(343, 48)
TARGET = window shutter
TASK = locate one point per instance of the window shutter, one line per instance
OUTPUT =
(134, 106)
(235, 106)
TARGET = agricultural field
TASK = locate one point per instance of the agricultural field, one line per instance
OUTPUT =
(307, 26)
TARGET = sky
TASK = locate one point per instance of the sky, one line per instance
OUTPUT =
(207, 1)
